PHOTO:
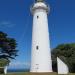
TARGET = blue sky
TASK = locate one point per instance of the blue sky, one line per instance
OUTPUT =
(16, 21)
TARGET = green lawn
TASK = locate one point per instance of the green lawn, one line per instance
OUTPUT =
(27, 73)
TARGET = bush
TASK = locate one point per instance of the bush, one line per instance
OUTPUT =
(1, 70)
(66, 52)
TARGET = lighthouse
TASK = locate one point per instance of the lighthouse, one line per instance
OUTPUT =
(40, 50)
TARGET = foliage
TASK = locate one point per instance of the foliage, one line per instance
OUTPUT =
(3, 62)
(67, 54)
(7, 47)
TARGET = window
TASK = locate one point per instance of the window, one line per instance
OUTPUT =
(37, 64)
(37, 17)
(37, 47)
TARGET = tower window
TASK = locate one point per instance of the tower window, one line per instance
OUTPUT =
(37, 64)
(37, 47)
(37, 17)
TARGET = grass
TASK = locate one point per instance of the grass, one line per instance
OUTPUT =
(27, 73)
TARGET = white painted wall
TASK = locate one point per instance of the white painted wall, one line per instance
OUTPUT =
(5, 70)
(41, 58)
(62, 67)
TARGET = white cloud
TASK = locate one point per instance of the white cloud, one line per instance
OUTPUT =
(7, 24)
(18, 64)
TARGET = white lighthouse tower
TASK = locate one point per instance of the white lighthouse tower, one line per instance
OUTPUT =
(41, 53)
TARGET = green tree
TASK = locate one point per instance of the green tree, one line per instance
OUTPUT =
(66, 52)
(4, 62)
(7, 47)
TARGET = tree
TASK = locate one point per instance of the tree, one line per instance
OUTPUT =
(3, 62)
(7, 47)
(66, 52)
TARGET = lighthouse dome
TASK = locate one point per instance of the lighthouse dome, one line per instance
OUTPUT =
(40, 5)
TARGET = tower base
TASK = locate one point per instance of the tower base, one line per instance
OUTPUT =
(41, 72)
